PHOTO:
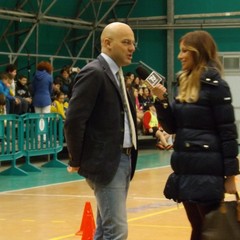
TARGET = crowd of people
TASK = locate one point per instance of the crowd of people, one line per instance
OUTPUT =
(147, 120)
(102, 145)
(44, 93)
(16, 98)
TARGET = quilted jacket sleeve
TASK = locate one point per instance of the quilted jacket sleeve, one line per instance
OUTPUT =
(223, 112)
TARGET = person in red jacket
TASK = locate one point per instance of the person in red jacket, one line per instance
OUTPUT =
(151, 126)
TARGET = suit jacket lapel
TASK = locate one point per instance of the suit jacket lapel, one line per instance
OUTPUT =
(109, 73)
(113, 80)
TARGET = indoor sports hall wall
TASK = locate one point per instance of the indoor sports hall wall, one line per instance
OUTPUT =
(151, 42)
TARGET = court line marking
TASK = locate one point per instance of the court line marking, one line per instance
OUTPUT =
(63, 237)
(79, 180)
(159, 226)
(129, 220)
(42, 186)
(68, 182)
(155, 213)
(48, 195)
(79, 196)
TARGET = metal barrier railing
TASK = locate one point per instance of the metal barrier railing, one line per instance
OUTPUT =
(30, 135)
(11, 142)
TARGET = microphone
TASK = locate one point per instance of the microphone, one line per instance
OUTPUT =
(152, 78)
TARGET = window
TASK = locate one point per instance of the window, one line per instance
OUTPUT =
(231, 62)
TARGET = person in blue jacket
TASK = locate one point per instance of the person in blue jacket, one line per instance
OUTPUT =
(204, 160)
(42, 88)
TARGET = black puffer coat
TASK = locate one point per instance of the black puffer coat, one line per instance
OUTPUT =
(205, 147)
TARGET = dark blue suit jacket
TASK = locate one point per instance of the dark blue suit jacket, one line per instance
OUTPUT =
(94, 126)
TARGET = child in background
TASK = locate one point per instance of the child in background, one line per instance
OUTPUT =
(12, 103)
(59, 106)
(23, 93)
(11, 70)
(2, 112)
(139, 110)
(56, 88)
(2, 104)
(152, 127)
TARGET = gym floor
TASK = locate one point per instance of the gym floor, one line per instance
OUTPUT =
(48, 205)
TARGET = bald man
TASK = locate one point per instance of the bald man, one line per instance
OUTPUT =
(97, 131)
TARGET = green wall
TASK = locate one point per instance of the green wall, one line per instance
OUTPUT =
(151, 44)
(205, 6)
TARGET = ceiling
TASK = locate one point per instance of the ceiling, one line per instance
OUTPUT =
(69, 29)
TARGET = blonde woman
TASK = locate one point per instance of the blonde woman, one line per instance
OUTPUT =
(204, 160)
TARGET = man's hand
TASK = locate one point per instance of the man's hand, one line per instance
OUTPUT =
(72, 169)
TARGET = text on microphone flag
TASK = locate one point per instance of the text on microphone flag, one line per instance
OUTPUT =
(153, 79)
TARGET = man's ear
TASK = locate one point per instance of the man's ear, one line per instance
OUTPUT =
(107, 43)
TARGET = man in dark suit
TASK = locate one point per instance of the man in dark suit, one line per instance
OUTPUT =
(98, 132)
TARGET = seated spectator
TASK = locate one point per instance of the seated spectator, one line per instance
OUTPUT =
(23, 93)
(152, 127)
(59, 106)
(128, 83)
(140, 93)
(56, 87)
(145, 99)
(13, 105)
(22, 106)
(2, 104)
(139, 110)
(2, 112)
(11, 70)
(136, 82)
(130, 75)
(74, 71)
(65, 81)
(142, 83)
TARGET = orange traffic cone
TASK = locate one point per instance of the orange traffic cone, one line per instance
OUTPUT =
(87, 228)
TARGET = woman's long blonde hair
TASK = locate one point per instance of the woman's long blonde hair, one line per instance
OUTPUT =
(204, 52)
